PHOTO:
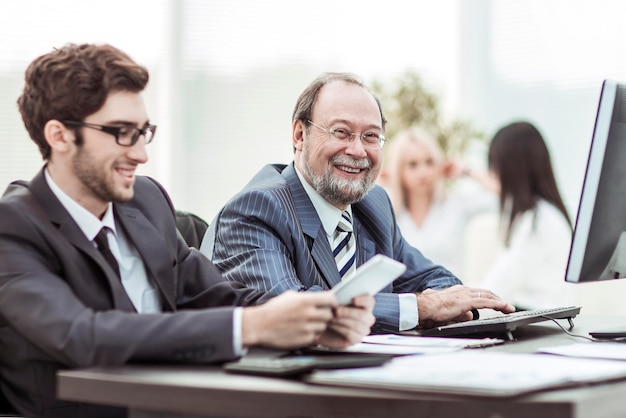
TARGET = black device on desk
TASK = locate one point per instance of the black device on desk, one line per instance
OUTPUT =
(615, 334)
(504, 324)
(299, 364)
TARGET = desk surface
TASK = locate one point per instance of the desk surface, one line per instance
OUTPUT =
(204, 391)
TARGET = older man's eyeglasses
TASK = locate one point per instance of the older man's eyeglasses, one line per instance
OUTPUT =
(126, 136)
(368, 139)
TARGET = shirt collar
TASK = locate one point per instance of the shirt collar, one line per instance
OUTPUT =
(328, 214)
(87, 221)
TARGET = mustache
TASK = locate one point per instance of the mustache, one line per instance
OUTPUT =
(345, 160)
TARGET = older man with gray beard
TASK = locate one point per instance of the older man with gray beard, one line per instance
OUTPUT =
(306, 225)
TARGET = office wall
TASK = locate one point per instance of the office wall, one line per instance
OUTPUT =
(30, 28)
(543, 61)
(225, 75)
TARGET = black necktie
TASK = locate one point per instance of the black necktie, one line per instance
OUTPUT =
(103, 245)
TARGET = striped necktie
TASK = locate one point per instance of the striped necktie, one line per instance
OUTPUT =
(344, 246)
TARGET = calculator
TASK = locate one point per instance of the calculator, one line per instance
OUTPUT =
(300, 364)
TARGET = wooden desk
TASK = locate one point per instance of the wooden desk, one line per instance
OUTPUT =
(152, 391)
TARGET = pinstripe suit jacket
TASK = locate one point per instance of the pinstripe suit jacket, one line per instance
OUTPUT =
(270, 237)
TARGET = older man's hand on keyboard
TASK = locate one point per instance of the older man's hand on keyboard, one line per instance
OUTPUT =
(455, 304)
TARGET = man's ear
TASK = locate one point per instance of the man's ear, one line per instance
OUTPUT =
(297, 134)
(58, 136)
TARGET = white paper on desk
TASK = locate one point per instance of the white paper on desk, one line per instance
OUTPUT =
(485, 373)
(398, 349)
(414, 341)
(599, 350)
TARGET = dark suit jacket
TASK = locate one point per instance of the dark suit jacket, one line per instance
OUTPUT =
(270, 237)
(61, 306)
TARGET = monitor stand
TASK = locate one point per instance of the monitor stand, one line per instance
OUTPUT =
(616, 267)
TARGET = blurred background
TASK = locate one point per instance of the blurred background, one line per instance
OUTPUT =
(225, 74)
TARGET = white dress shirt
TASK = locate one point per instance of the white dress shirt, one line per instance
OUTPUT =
(441, 237)
(530, 272)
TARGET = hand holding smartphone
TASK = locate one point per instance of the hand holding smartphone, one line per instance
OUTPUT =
(368, 279)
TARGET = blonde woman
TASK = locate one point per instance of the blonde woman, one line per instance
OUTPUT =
(431, 211)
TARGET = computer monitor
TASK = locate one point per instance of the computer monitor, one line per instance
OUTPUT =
(598, 250)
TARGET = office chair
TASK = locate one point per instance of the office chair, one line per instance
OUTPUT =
(191, 227)
(6, 409)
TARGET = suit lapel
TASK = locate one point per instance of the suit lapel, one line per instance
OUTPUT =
(322, 255)
(365, 247)
(149, 242)
(312, 228)
(66, 225)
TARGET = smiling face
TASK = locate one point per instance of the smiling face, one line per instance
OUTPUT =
(341, 171)
(95, 170)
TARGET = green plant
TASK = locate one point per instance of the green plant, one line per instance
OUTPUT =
(407, 102)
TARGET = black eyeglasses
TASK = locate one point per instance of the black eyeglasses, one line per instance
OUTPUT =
(126, 136)
(372, 140)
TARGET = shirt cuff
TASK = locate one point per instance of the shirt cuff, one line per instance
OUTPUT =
(409, 318)
(238, 348)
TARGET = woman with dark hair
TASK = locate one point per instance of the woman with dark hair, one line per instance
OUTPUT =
(535, 227)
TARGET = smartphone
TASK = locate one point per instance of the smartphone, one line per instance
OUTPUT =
(368, 279)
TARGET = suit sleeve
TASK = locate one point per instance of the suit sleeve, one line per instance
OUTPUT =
(200, 283)
(378, 221)
(253, 241)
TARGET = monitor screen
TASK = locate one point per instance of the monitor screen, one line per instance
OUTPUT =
(598, 250)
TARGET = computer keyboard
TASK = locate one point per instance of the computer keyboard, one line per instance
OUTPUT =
(504, 324)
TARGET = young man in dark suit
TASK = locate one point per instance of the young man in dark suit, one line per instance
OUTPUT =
(287, 217)
(92, 270)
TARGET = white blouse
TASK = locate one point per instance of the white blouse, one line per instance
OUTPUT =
(530, 273)
(441, 238)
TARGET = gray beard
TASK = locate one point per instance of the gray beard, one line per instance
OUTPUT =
(338, 191)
